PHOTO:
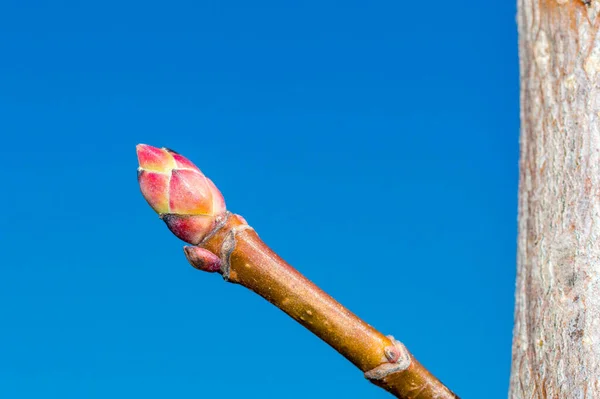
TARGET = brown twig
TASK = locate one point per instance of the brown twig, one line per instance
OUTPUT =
(246, 260)
(194, 210)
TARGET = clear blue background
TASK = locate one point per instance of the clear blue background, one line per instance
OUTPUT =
(374, 145)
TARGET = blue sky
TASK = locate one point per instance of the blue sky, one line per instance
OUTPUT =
(384, 128)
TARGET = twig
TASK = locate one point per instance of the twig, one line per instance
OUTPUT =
(248, 261)
(225, 243)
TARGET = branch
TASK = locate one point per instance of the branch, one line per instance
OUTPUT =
(225, 243)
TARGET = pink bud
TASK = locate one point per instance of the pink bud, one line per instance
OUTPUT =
(177, 190)
(153, 186)
(192, 228)
(152, 158)
(190, 193)
(202, 259)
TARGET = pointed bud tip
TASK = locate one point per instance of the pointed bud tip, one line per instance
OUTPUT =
(142, 149)
(155, 159)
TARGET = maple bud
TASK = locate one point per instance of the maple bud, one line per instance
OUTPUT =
(186, 200)
(202, 259)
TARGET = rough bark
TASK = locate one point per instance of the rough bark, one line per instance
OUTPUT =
(556, 346)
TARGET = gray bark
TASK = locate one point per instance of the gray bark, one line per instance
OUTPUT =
(556, 346)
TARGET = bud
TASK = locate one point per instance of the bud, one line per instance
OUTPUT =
(178, 191)
(202, 259)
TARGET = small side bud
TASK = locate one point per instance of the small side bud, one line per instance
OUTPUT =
(202, 259)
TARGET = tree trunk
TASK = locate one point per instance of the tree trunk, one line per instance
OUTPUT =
(556, 346)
